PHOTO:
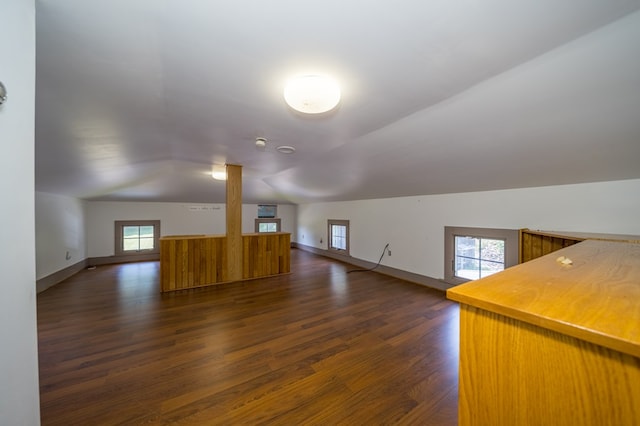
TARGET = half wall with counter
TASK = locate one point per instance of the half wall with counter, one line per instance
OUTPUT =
(555, 340)
(191, 261)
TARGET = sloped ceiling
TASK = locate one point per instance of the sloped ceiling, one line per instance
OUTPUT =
(139, 99)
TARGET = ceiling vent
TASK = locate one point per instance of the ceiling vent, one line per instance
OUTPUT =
(285, 149)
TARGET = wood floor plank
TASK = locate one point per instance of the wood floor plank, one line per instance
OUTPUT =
(317, 346)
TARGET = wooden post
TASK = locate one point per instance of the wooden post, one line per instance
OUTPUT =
(234, 222)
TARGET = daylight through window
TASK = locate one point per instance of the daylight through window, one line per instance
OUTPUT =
(267, 225)
(137, 238)
(477, 257)
(472, 253)
(339, 236)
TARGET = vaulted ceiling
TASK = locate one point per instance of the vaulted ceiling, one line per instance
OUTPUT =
(139, 99)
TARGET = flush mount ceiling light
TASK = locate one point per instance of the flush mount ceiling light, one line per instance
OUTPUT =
(219, 172)
(312, 94)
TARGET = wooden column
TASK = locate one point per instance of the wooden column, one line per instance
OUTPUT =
(234, 222)
(190, 261)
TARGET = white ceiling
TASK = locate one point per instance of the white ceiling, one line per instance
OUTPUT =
(137, 99)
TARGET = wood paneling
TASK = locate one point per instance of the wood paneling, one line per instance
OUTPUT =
(192, 261)
(265, 254)
(514, 373)
(316, 346)
(534, 244)
(196, 261)
(234, 222)
(549, 343)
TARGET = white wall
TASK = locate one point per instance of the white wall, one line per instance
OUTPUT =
(414, 226)
(60, 233)
(175, 219)
(19, 397)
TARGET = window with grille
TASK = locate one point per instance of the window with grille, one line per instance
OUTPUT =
(339, 236)
(477, 257)
(267, 225)
(137, 237)
(473, 253)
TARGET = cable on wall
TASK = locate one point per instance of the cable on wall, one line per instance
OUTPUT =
(3, 93)
(377, 264)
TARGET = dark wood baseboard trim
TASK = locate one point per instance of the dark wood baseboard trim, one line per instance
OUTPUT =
(50, 280)
(382, 269)
(108, 260)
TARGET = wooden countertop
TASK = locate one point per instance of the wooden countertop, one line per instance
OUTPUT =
(596, 299)
(253, 234)
(587, 235)
(195, 236)
(191, 236)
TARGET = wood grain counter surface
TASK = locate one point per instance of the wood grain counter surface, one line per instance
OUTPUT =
(595, 299)
(196, 236)
(191, 237)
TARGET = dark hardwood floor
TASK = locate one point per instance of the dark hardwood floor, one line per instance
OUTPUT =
(318, 346)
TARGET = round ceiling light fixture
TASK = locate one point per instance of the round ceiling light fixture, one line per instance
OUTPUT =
(219, 172)
(312, 94)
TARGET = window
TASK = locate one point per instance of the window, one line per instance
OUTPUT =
(137, 237)
(477, 257)
(473, 253)
(267, 225)
(339, 236)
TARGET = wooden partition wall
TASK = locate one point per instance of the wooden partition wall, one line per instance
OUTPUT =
(190, 261)
(534, 244)
(193, 261)
(265, 254)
